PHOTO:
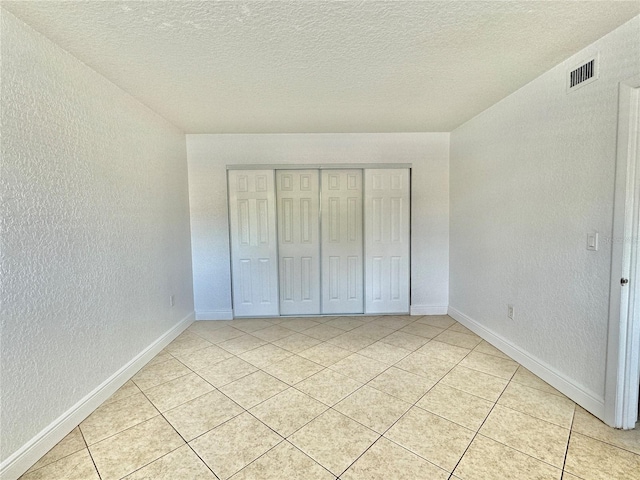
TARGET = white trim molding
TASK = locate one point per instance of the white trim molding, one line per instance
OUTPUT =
(34, 449)
(215, 315)
(587, 399)
(428, 310)
(623, 346)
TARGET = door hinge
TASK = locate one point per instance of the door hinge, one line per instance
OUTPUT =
(624, 281)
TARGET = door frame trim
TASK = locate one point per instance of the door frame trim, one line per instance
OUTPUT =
(623, 348)
(324, 166)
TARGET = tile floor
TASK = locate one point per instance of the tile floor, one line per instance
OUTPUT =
(348, 397)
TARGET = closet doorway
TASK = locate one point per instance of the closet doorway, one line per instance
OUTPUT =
(319, 241)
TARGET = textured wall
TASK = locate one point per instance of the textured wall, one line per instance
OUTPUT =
(208, 155)
(530, 177)
(95, 231)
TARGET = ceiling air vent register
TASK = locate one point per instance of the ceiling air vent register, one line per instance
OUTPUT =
(582, 75)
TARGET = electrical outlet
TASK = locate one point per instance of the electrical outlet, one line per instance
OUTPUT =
(172, 300)
(510, 311)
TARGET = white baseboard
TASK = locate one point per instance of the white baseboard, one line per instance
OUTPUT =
(428, 310)
(20, 461)
(215, 315)
(579, 394)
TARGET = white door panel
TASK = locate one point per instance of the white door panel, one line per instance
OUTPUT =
(298, 201)
(387, 240)
(252, 219)
(342, 269)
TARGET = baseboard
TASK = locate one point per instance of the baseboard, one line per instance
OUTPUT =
(428, 310)
(215, 315)
(579, 394)
(34, 449)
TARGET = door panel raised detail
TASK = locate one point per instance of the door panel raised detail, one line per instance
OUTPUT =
(253, 242)
(342, 262)
(387, 241)
(298, 203)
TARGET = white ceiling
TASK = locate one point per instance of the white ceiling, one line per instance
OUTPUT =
(322, 66)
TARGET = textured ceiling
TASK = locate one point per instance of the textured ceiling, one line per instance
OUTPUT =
(321, 66)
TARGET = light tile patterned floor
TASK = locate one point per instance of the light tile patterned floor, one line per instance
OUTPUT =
(350, 397)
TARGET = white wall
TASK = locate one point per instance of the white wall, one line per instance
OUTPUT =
(209, 154)
(95, 238)
(530, 177)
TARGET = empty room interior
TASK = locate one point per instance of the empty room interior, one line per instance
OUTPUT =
(320, 240)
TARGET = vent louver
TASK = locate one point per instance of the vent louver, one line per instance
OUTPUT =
(584, 74)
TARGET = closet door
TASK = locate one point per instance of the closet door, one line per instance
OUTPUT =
(298, 201)
(252, 218)
(387, 240)
(342, 273)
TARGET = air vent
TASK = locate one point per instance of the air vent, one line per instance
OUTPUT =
(583, 75)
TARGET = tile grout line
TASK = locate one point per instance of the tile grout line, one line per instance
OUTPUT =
(566, 451)
(382, 435)
(413, 405)
(90, 454)
(477, 432)
(331, 407)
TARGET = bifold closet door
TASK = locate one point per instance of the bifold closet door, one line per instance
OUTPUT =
(341, 246)
(298, 201)
(387, 240)
(254, 253)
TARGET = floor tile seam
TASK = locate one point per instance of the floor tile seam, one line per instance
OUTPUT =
(308, 395)
(247, 350)
(200, 335)
(297, 355)
(262, 401)
(212, 363)
(477, 431)
(149, 463)
(32, 470)
(125, 429)
(187, 401)
(203, 462)
(194, 349)
(517, 409)
(165, 382)
(284, 440)
(534, 417)
(228, 383)
(162, 383)
(492, 354)
(64, 456)
(382, 391)
(415, 404)
(566, 450)
(107, 402)
(606, 443)
(297, 429)
(559, 394)
(338, 477)
(417, 454)
(459, 390)
(461, 346)
(262, 369)
(353, 419)
(160, 362)
(268, 363)
(86, 445)
(400, 446)
(486, 373)
(520, 451)
(293, 332)
(213, 428)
